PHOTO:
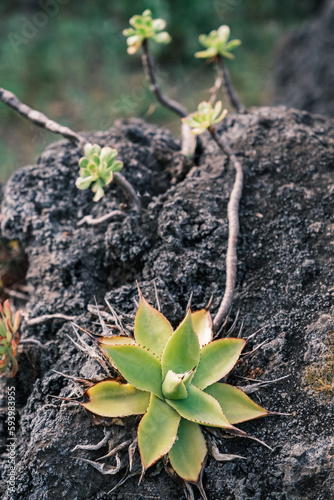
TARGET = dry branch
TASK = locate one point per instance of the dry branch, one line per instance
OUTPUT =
(150, 72)
(235, 101)
(38, 118)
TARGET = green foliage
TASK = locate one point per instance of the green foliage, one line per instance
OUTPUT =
(9, 338)
(205, 117)
(172, 377)
(103, 84)
(97, 167)
(217, 44)
(144, 27)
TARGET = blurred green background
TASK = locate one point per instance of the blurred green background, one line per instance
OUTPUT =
(68, 59)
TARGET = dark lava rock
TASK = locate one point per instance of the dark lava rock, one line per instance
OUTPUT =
(178, 245)
(304, 69)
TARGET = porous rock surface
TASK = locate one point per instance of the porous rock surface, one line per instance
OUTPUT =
(285, 285)
(304, 70)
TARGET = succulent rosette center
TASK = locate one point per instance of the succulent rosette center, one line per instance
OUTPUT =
(171, 377)
(97, 168)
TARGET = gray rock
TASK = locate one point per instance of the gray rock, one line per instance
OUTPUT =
(304, 71)
(285, 277)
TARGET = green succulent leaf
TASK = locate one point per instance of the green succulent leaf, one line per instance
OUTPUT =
(205, 117)
(233, 44)
(162, 37)
(202, 323)
(206, 54)
(113, 399)
(83, 162)
(95, 150)
(144, 28)
(216, 43)
(201, 408)
(217, 360)
(182, 350)
(138, 366)
(117, 166)
(83, 183)
(108, 154)
(158, 24)
(98, 190)
(236, 405)
(188, 453)
(152, 330)
(116, 340)
(96, 168)
(157, 431)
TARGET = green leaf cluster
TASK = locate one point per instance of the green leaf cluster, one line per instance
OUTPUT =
(172, 378)
(144, 27)
(205, 117)
(9, 338)
(97, 167)
(217, 44)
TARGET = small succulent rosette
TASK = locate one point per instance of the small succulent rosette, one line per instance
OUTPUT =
(217, 44)
(172, 379)
(97, 168)
(143, 28)
(9, 338)
(205, 117)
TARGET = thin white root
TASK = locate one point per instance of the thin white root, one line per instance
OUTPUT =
(92, 447)
(104, 469)
(233, 222)
(116, 449)
(47, 317)
(220, 457)
(248, 389)
(88, 220)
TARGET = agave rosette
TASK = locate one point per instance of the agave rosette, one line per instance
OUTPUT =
(97, 167)
(143, 28)
(205, 117)
(172, 378)
(217, 44)
(9, 338)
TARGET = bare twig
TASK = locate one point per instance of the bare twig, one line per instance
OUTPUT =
(43, 121)
(217, 85)
(90, 221)
(188, 140)
(233, 221)
(235, 101)
(150, 71)
(15, 294)
(38, 118)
